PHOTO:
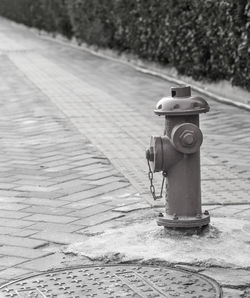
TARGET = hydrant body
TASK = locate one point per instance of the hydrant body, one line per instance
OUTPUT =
(177, 153)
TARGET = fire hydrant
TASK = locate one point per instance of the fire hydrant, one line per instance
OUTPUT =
(177, 155)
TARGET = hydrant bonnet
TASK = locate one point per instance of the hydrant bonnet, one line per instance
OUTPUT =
(181, 103)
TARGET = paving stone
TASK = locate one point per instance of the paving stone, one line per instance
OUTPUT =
(15, 223)
(9, 261)
(48, 226)
(43, 202)
(7, 186)
(37, 188)
(229, 277)
(74, 197)
(54, 163)
(58, 169)
(16, 231)
(226, 198)
(8, 193)
(244, 214)
(132, 207)
(45, 263)
(220, 185)
(51, 218)
(34, 182)
(97, 219)
(72, 183)
(217, 172)
(36, 177)
(23, 232)
(11, 206)
(96, 191)
(22, 252)
(73, 190)
(66, 178)
(99, 228)
(8, 179)
(93, 169)
(89, 202)
(122, 201)
(106, 180)
(62, 173)
(81, 156)
(231, 210)
(40, 194)
(101, 175)
(47, 210)
(90, 211)
(210, 207)
(86, 162)
(58, 237)
(20, 241)
(13, 272)
(9, 231)
(12, 214)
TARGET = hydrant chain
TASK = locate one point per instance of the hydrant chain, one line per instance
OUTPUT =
(152, 187)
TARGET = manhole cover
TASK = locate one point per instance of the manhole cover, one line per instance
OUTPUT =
(114, 281)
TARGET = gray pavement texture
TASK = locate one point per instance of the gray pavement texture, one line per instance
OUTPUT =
(74, 128)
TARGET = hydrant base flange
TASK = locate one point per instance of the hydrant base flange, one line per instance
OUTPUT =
(183, 221)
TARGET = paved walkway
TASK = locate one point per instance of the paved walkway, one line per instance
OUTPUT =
(74, 128)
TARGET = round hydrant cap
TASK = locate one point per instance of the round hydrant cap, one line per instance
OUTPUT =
(186, 138)
(181, 103)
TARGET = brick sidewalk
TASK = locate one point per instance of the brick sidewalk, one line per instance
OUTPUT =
(74, 128)
(53, 182)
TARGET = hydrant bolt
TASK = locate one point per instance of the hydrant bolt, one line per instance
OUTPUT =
(175, 217)
(187, 138)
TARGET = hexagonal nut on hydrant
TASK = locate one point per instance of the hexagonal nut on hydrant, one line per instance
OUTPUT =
(188, 138)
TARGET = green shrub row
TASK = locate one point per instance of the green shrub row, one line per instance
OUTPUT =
(204, 39)
(49, 15)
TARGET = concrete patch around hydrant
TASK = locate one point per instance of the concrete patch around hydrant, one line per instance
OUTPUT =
(224, 244)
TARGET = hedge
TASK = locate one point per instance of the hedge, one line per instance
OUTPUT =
(49, 15)
(207, 39)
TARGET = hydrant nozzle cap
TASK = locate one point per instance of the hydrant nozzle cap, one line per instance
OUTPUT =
(181, 102)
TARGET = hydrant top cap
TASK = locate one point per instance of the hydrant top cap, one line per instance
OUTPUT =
(181, 103)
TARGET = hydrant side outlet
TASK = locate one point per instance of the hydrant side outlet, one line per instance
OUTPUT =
(186, 138)
(178, 154)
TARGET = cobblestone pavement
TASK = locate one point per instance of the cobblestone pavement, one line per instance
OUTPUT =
(74, 128)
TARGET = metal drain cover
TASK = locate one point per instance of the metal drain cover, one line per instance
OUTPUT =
(114, 281)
